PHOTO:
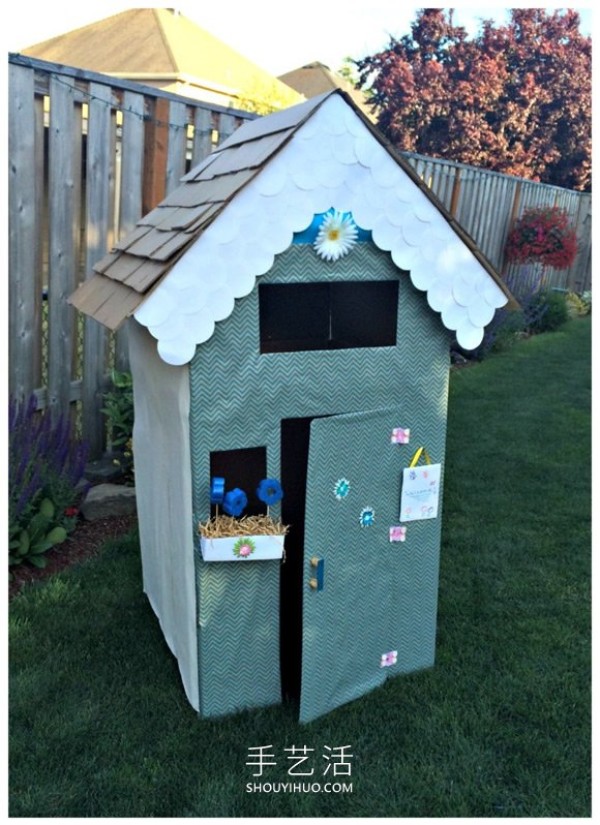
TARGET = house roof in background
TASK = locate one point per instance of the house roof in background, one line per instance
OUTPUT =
(316, 78)
(181, 269)
(157, 42)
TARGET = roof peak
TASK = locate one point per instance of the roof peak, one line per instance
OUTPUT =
(180, 271)
(150, 42)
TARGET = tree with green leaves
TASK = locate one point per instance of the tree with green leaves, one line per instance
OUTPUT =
(516, 98)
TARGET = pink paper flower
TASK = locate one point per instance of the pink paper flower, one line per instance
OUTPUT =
(388, 659)
(244, 548)
(400, 435)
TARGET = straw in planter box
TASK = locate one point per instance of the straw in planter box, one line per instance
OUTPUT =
(233, 537)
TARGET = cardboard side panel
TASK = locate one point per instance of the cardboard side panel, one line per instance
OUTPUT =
(161, 449)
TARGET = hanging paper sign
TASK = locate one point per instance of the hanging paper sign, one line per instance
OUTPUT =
(420, 490)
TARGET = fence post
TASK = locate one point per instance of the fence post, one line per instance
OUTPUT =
(226, 127)
(176, 148)
(130, 206)
(61, 270)
(455, 193)
(155, 155)
(514, 211)
(578, 275)
(24, 282)
(99, 164)
(202, 146)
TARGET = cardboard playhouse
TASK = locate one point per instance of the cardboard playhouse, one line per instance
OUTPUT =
(293, 304)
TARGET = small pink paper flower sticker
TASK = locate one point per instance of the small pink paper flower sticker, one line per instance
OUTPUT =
(398, 533)
(388, 659)
(244, 548)
(400, 435)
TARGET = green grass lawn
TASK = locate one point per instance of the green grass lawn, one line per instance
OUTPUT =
(500, 726)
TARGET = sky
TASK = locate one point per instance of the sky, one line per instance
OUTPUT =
(268, 32)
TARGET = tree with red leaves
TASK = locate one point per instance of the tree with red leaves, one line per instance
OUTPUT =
(515, 99)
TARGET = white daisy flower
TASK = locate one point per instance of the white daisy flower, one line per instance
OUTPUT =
(336, 237)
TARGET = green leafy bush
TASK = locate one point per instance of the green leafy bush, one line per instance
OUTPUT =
(35, 534)
(507, 325)
(541, 311)
(46, 466)
(118, 410)
(505, 329)
(548, 311)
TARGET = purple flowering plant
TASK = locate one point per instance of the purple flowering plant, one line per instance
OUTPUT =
(46, 466)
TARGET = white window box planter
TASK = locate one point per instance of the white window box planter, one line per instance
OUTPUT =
(242, 548)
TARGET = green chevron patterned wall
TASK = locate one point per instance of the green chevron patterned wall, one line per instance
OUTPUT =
(238, 400)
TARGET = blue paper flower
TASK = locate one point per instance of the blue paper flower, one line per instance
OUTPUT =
(269, 491)
(217, 490)
(341, 488)
(235, 502)
(367, 517)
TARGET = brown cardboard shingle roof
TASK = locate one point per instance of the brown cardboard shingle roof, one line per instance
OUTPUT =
(145, 256)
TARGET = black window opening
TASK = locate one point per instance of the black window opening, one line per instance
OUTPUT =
(318, 316)
(244, 469)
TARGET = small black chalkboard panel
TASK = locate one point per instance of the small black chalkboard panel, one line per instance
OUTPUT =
(321, 316)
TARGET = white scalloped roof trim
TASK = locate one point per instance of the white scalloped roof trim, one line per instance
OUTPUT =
(332, 161)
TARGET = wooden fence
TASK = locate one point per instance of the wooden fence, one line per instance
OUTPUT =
(90, 154)
(486, 204)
